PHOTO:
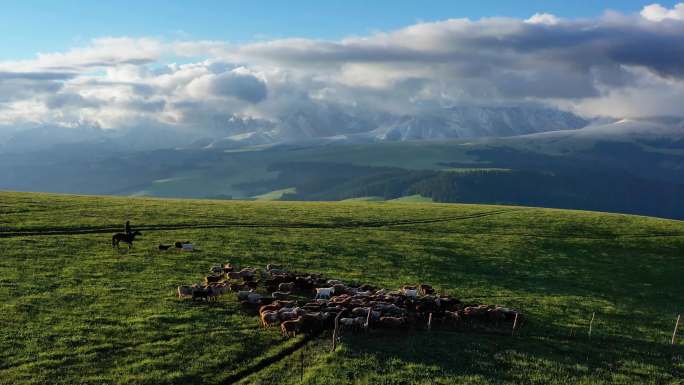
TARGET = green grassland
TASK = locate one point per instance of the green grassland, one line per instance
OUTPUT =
(406, 199)
(417, 198)
(75, 311)
(275, 195)
(365, 199)
(225, 174)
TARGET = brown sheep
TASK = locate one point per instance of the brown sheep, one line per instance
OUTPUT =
(213, 293)
(292, 327)
(475, 311)
(237, 287)
(202, 293)
(269, 318)
(360, 311)
(363, 312)
(185, 291)
(510, 314)
(247, 273)
(272, 307)
(340, 289)
(314, 321)
(452, 317)
(313, 306)
(286, 287)
(270, 267)
(283, 303)
(280, 295)
(353, 323)
(287, 314)
(496, 315)
(426, 289)
(244, 295)
(223, 288)
(392, 322)
(213, 278)
(234, 275)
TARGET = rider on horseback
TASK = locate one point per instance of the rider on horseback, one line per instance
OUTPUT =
(128, 236)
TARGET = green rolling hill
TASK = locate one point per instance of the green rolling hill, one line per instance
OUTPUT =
(76, 311)
(636, 176)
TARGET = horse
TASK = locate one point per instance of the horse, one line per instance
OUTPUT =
(125, 238)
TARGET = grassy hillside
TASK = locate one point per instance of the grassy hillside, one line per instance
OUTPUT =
(75, 311)
(603, 175)
(275, 195)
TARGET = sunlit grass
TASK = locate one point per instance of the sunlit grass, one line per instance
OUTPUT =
(76, 311)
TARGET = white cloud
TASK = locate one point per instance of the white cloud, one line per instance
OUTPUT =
(656, 12)
(543, 18)
(101, 53)
(238, 83)
(596, 66)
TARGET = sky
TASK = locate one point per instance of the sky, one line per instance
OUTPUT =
(189, 65)
(32, 26)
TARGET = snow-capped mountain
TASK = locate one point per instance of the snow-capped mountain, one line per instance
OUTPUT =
(338, 125)
(478, 122)
(623, 129)
(321, 123)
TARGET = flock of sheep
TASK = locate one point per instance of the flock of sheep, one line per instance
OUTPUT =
(335, 305)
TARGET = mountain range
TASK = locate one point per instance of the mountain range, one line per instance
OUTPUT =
(362, 127)
(327, 123)
(505, 155)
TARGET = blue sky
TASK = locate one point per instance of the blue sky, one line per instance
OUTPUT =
(31, 26)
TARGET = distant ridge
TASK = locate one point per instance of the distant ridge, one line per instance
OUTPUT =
(442, 123)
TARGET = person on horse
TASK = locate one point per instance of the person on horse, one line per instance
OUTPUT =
(128, 236)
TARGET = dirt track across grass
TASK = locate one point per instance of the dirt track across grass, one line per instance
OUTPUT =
(156, 227)
(51, 231)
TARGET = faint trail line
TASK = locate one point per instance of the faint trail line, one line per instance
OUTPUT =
(567, 235)
(268, 361)
(51, 231)
(293, 225)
